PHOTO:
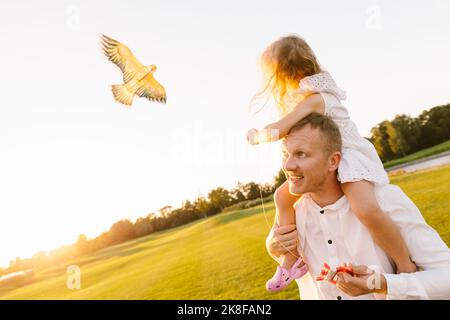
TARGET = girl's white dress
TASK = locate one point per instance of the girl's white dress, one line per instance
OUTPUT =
(360, 160)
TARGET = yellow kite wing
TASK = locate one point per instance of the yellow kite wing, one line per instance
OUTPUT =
(151, 89)
(122, 56)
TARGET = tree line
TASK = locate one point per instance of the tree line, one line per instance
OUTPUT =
(405, 135)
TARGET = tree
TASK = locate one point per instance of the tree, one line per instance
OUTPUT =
(143, 227)
(190, 210)
(219, 198)
(39, 259)
(409, 130)
(82, 245)
(202, 206)
(380, 140)
(280, 178)
(396, 141)
(121, 231)
(165, 211)
(435, 125)
(237, 194)
(251, 191)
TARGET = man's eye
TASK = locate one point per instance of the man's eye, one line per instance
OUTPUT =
(299, 154)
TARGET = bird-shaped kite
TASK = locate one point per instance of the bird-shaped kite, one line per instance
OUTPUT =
(138, 79)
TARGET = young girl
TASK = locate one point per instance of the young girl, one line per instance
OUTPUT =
(300, 86)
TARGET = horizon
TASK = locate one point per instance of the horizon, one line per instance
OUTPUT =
(75, 162)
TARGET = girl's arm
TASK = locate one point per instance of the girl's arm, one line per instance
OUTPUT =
(278, 130)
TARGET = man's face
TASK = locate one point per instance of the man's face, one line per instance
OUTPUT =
(305, 161)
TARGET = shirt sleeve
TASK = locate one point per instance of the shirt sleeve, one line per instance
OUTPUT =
(426, 247)
(328, 100)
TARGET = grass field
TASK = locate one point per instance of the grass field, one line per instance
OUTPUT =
(444, 146)
(221, 257)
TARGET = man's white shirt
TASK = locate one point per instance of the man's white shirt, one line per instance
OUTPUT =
(333, 234)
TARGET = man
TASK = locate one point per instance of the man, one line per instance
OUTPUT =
(326, 230)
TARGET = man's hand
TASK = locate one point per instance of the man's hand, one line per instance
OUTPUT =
(363, 281)
(284, 240)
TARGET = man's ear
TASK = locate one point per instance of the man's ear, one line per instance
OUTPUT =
(334, 160)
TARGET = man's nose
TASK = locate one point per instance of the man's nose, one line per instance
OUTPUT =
(289, 164)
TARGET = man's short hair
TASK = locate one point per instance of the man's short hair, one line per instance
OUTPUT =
(331, 136)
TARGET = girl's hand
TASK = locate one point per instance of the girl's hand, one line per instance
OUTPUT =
(410, 267)
(252, 136)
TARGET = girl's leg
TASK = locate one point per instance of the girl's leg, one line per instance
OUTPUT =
(285, 214)
(385, 233)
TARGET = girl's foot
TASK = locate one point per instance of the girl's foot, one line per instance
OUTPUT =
(279, 280)
(283, 276)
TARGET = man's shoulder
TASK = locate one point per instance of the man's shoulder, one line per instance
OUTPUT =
(395, 202)
(392, 194)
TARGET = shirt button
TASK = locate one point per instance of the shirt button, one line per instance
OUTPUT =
(339, 297)
(330, 242)
(322, 211)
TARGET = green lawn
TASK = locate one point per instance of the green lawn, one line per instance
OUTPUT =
(444, 146)
(222, 257)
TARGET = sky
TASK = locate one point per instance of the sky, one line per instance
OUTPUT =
(72, 161)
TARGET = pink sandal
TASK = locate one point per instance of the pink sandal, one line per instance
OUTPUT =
(283, 277)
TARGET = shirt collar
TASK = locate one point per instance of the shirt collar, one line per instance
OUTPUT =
(339, 204)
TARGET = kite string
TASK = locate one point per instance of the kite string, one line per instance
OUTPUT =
(265, 215)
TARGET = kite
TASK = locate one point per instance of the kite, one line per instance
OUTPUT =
(328, 274)
(138, 79)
